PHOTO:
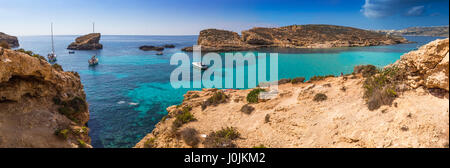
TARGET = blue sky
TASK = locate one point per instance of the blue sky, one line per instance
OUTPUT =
(188, 17)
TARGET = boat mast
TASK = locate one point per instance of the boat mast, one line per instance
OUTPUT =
(93, 27)
(53, 46)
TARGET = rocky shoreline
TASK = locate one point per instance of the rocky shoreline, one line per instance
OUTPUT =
(295, 36)
(42, 106)
(346, 111)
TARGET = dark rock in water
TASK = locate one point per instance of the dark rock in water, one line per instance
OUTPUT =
(10, 40)
(159, 53)
(87, 42)
(295, 36)
(169, 46)
(151, 48)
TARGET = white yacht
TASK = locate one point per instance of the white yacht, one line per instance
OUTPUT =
(200, 65)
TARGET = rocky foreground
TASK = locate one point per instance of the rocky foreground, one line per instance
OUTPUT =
(404, 105)
(295, 36)
(86, 42)
(10, 40)
(41, 106)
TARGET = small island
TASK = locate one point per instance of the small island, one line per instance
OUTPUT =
(151, 48)
(295, 36)
(155, 48)
(87, 42)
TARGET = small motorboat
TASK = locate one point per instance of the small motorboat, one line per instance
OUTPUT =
(71, 52)
(93, 61)
(159, 53)
(200, 65)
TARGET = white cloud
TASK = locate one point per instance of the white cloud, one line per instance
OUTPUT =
(416, 11)
(385, 8)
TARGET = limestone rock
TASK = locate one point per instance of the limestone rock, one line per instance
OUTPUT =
(428, 65)
(86, 42)
(11, 40)
(39, 100)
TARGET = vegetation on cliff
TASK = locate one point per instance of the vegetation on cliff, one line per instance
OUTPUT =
(42, 106)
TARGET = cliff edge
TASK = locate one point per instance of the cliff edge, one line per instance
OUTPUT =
(41, 105)
(10, 40)
(404, 105)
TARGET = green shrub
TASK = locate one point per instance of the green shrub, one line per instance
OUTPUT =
(253, 96)
(217, 98)
(298, 80)
(57, 67)
(284, 80)
(381, 88)
(82, 144)
(365, 70)
(30, 53)
(190, 136)
(62, 133)
(150, 143)
(267, 118)
(319, 78)
(320, 97)
(71, 108)
(260, 146)
(222, 138)
(5, 45)
(247, 109)
(183, 117)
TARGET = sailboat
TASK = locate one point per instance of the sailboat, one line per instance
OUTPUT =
(52, 56)
(94, 60)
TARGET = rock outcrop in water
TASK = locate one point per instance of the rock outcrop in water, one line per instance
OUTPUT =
(41, 106)
(151, 48)
(11, 40)
(295, 36)
(86, 42)
(324, 112)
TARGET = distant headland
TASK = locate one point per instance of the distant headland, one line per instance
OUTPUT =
(294, 36)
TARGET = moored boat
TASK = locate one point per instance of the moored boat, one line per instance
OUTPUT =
(52, 56)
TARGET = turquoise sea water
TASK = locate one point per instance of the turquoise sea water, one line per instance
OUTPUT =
(129, 90)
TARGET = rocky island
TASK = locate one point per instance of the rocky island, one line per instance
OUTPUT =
(151, 48)
(86, 42)
(10, 40)
(295, 36)
(403, 105)
(41, 105)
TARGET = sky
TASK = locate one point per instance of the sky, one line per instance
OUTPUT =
(188, 17)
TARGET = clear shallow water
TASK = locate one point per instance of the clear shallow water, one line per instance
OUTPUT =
(129, 90)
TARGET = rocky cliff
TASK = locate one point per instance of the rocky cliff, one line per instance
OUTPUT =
(86, 42)
(11, 40)
(40, 105)
(323, 112)
(295, 36)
